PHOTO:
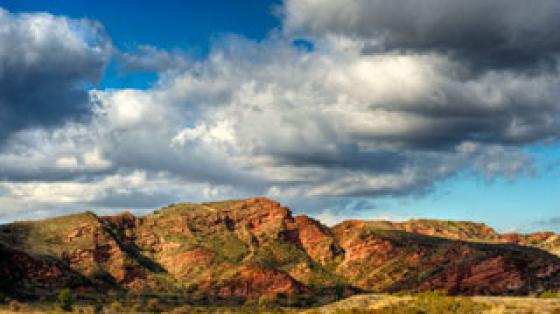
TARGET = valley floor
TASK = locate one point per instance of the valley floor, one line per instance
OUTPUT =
(358, 304)
(423, 303)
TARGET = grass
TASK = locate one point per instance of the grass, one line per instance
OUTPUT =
(437, 303)
(433, 302)
(44, 237)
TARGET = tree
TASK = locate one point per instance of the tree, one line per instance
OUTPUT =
(65, 300)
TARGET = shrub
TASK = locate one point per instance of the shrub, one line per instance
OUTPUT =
(117, 307)
(128, 264)
(16, 306)
(549, 294)
(339, 291)
(432, 294)
(65, 300)
(137, 308)
(97, 308)
(267, 300)
(154, 306)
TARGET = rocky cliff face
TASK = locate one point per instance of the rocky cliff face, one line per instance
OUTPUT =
(254, 247)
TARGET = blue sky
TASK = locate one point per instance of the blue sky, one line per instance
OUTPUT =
(347, 131)
(188, 26)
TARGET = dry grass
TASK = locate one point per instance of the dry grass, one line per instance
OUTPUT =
(358, 304)
(380, 303)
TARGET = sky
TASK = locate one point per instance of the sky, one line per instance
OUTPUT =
(370, 109)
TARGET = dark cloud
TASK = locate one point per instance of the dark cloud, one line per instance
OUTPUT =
(46, 64)
(344, 156)
(488, 34)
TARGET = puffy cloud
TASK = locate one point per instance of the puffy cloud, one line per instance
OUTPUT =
(270, 118)
(336, 122)
(488, 33)
(45, 63)
(136, 190)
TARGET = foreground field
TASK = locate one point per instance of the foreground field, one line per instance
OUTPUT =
(360, 304)
(433, 303)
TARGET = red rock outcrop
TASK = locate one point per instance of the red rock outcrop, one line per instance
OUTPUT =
(254, 280)
(317, 240)
(256, 247)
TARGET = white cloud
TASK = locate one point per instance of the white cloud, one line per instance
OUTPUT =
(67, 163)
(268, 118)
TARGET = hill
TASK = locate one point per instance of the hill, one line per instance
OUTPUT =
(239, 251)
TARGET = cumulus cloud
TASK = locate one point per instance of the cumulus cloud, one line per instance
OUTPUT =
(45, 63)
(498, 33)
(135, 190)
(332, 123)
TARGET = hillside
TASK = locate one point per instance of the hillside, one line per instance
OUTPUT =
(237, 251)
(475, 232)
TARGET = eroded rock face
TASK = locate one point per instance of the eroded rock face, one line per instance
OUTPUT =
(253, 280)
(497, 275)
(19, 271)
(392, 260)
(181, 264)
(255, 247)
(317, 240)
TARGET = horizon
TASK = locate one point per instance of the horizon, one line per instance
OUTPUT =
(294, 213)
(341, 115)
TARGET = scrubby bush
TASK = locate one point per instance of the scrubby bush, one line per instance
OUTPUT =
(137, 308)
(548, 294)
(154, 306)
(267, 300)
(16, 306)
(116, 307)
(129, 264)
(97, 308)
(65, 300)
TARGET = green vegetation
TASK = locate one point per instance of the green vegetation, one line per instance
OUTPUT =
(65, 300)
(97, 308)
(191, 256)
(46, 237)
(222, 204)
(154, 306)
(549, 294)
(435, 302)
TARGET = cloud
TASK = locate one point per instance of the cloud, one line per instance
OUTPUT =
(45, 63)
(295, 124)
(135, 190)
(152, 59)
(498, 33)
(331, 124)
